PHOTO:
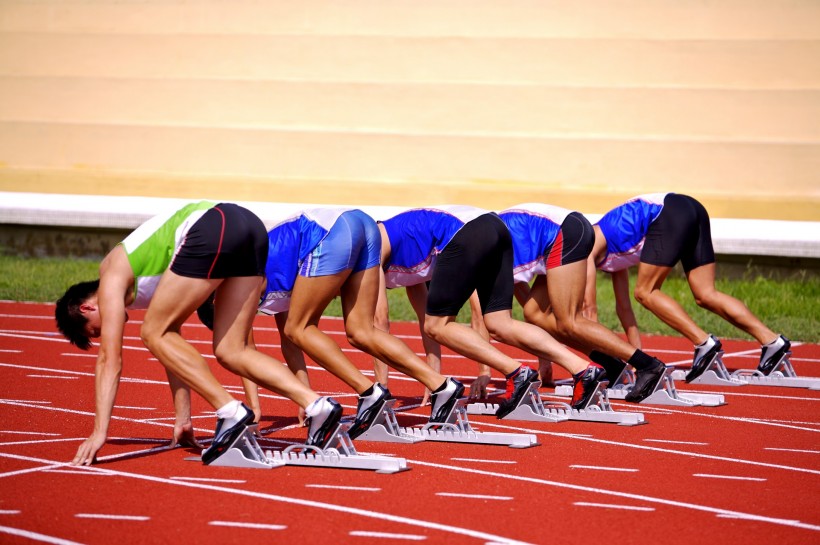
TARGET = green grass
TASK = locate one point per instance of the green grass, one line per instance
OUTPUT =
(786, 306)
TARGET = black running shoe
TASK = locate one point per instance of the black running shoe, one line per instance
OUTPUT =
(771, 354)
(443, 401)
(517, 388)
(586, 384)
(322, 426)
(368, 408)
(225, 436)
(646, 382)
(704, 355)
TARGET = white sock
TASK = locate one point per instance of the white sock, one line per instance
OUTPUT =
(776, 343)
(314, 408)
(232, 412)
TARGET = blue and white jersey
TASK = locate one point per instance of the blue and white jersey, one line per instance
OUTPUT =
(417, 236)
(625, 227)
(533, 227)
(290, 243)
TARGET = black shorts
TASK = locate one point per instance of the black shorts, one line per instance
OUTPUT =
(479, 257)
(573, 243)
(227, 241)
(680, 233)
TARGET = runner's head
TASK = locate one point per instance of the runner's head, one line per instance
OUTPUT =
(71, 320)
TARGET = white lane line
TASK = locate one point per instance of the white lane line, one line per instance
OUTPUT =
(52, 376)
(48, 441)
(252, 525)
(135, 408)
(628, 495)
(385, 535)
(612, 506)
(338, 487)
(730, 477)
(10, 351)
(36, 402)
(793, 450)
(606, 468)
(74, 472)
(9, 511)
(207, 480)
(675, 442)
(103, 516)
(479, 461)
(473, 496)
(34, 536)
(30, 433)
(367, 513)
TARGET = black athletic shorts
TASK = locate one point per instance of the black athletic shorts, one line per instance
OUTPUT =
(227, 241)
(573, 242)
(479, 257)
(680, 233)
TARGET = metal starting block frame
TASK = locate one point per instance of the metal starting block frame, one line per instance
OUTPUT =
(782, 375)
(533, 408)
(339, 454)
(456, 429)
(666, 394)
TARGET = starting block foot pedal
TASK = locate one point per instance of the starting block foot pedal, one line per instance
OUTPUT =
(339, 454)
(667, 394)
(783, 375)
(457, 429)
(386, 428)
(599, 410)
(715, 374)
(530, 409)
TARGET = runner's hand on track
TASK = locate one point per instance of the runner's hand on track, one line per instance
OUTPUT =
(478, 389)
(87, 453)
(426, 398)
(184, 436)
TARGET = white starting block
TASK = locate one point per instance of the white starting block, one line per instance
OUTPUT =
(533, 408)
(782, 375)
(666, 394)
(339, 454)
(457, 429)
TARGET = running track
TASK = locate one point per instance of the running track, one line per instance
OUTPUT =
(746, 472)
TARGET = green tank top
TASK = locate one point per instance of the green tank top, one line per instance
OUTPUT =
(151, 247)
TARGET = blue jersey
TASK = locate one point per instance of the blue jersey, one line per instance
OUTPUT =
(417, 236)
(625, 227)
(290, 243)
(533, 227)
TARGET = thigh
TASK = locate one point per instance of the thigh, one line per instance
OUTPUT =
(235, 305)
(311, 296)
(566, 286)
(175, 299)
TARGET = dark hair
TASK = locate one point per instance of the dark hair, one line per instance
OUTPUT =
(70, 321)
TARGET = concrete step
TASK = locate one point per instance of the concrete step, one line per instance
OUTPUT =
(628, 167)
(715, 64)
(444, 109)
(651, 19)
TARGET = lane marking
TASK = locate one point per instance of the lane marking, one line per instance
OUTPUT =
(36, 536)
(207, 480)
(473, 496)
(479, 461)
(612, 506)
(606, 468)
(26, 401)
(628, 495)
(9, 511)
(253, 525)
(340, 487)
(675, 442)
(52, 376)
(103, 516)
(367, 513)
(385, 535)
(74, 472)
(731, 477)
(10, 351)
(29, 433)
(793, 450)
(135, 408)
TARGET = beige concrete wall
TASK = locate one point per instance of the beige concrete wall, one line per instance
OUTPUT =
(581, 104)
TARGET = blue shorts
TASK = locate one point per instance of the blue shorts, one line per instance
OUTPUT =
(353, 242)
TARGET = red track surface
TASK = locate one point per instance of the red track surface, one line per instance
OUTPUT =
(746, 472)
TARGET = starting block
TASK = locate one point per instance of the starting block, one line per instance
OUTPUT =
(457, 429)
(339, 454)
(533, 408)
(666, 394)
(782, 375)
